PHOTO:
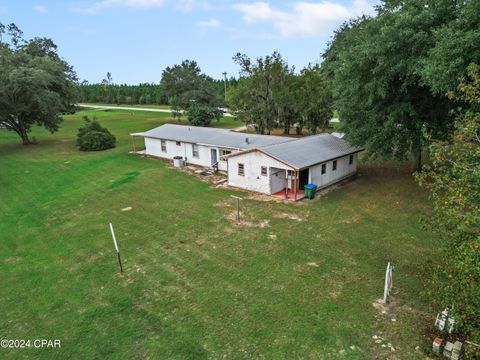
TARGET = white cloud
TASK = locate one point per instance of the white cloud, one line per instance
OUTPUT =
(185, 5)
(208, 24)
(106, 4)
(304, 18)
(40, 9)
(212, 23)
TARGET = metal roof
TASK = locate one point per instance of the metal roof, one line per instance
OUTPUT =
(296, 152)
(310, 150)
(213, 136)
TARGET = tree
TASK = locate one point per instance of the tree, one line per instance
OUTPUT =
(453, 180)
(202, 115)
(94, 137)
(185, 85)
(385, 74)
(36, 85)
(262, 95)
(314, 100)
(456, 46)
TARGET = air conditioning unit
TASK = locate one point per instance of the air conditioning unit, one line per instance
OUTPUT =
(178, 161)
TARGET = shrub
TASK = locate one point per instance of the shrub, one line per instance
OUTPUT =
(202, 115)
(93, 137)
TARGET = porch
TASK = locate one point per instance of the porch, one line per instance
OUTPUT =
(290, 194)
(288, 184)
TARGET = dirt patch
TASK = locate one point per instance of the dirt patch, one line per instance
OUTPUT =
(261, 224)
(350, 220)
(287, 216)
(392, 308)
(12, 259)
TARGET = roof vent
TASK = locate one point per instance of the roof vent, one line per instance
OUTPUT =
(246, 140)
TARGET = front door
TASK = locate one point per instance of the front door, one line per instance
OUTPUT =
(303, 178)
(214, 156)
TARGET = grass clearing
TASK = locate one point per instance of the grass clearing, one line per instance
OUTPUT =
(148, 106)
(195, 284)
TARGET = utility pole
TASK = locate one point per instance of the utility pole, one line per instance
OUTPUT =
(225, 84)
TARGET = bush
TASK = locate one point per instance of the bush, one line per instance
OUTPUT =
(202, 115)
(93, 137)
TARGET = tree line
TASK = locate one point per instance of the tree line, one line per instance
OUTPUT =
(270, 95)
(107, 91)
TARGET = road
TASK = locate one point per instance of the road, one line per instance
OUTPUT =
(106, 107)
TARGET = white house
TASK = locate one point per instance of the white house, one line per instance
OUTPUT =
(274, 165)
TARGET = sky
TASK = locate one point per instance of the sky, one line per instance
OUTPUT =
(135, 40)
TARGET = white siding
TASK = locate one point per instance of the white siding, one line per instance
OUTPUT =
(344, 169)
(153, 147)
(253, 179)
(277, 180)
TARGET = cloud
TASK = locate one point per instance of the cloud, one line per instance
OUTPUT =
(208, 24)
(212, 23)
(185, 5)
(98, 6)
(40, 9)
(304, 19)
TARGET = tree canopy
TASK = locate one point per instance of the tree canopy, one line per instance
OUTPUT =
(390, 73)
(270, 95)
(36, 85)
(184, 85)
(453, 180)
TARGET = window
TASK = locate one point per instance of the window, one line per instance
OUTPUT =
(334, 165)
(324, 168)
(178, 143)
(224, 152)
(350, 160)
(195, 151)
(264, 171)
(241, 170)
(163, 145)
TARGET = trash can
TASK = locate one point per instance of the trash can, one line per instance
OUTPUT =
(310, 191)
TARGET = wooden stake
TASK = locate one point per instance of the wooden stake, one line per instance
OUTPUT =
(238, 206)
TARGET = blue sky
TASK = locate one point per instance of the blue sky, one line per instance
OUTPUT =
(136, 39)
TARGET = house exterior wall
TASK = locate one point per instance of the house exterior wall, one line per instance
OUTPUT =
(344, 169)
(277, 179)
(153, 147)
(253, 178)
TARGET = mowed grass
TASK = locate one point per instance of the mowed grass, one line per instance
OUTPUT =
(150, 106)
(196, 285)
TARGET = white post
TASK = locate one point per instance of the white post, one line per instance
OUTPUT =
(116, 248)
(388, 283)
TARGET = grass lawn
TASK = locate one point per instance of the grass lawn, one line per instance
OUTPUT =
(197, 286)
(150, 106)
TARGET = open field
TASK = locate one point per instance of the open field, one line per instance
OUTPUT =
(149, 106)
(197, 285)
